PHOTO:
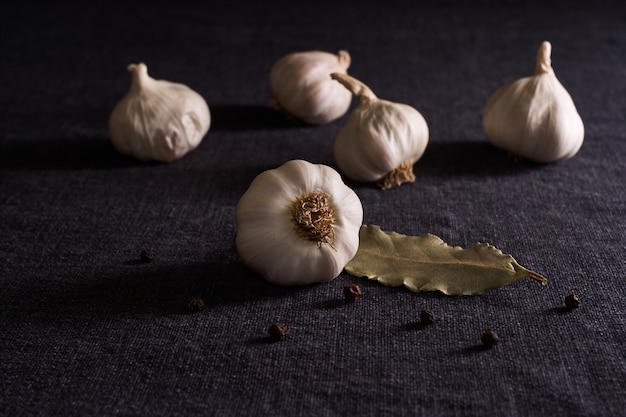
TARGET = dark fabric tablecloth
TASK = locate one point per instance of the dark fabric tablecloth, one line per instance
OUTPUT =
(89, 329)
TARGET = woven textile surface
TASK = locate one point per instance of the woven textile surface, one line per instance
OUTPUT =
(88, 328)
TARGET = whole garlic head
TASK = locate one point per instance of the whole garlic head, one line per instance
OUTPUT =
(301, 87)
(298, 224)
(535, 117)
(157, 119)
(381, 140)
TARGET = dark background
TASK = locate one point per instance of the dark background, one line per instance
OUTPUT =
(87, 329)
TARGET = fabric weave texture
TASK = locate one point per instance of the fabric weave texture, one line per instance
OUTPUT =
(88, 328)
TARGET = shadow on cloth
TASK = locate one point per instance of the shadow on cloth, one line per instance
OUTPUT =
(142, 290)
(462, 159)
(99, 153)
(250, 117)
(469, 158)
(64, 154)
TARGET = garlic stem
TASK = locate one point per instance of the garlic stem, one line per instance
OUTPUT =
(140, 77)
(344, 59)
(544, 62)
(355, 86)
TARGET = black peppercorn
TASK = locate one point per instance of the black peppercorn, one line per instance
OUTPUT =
(572, 301)
(427, 317)
(489, 338)
(195, 303)
(147, 255)
(352, 292)
(278, 331)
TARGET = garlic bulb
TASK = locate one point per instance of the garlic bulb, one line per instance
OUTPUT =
(381, 140)
(302, 88)
(298, 224)
(535, 117)
(157, 119)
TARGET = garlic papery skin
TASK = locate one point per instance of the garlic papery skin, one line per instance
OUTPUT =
(381, 140)
(534, 117)
(157, 119)
(301, 86)
(298, 224)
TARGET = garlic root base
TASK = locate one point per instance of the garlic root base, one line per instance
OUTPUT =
(403, 173)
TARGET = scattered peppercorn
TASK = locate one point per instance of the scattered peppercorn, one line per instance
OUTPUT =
(279, 331)
(195, 303)
(572, 301)
(489, 338)
(147, 255)
(427, 317)
(352, 292)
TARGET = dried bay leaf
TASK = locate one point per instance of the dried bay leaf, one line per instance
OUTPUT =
(427, 263)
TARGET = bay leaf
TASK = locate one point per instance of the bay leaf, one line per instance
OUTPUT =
(427, 263)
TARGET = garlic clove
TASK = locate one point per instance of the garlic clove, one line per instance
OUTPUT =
(381, 140)
(157, 119)
(301, 87)
(298, 224)
(535, 117)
